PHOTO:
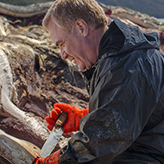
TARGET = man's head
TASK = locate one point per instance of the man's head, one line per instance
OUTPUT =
(76, 26)
(66, 12)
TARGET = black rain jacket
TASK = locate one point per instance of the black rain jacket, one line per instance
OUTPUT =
(126, 107)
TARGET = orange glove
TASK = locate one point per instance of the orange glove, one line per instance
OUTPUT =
(74, 116)
(51, 159)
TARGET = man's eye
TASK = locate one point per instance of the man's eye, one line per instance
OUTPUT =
(61, 44)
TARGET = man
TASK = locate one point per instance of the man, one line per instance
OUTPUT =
(125, 74)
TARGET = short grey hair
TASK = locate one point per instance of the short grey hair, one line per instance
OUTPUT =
(66, 12)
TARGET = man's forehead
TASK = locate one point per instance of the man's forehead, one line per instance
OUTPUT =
(52, 27)
(56, 32)
(55, 26)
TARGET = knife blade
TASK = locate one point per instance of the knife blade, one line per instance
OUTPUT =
(54, 136)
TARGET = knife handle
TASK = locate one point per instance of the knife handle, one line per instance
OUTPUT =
(61, 120)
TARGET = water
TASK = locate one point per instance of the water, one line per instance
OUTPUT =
(161, 19)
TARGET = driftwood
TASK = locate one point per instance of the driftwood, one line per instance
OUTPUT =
(33, 77)
(24, 11)
(16, 151)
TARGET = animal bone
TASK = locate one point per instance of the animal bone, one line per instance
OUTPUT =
(32, 124)
(6, 87)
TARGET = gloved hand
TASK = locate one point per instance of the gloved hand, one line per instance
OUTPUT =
(51, 159)
(73, 120)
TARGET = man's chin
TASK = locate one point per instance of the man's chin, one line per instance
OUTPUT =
(81, 68)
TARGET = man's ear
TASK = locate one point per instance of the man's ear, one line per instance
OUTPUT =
(82, 26)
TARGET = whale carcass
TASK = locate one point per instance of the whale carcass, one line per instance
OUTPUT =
(33, 77)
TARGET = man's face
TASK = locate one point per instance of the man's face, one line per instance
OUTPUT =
(73, 46)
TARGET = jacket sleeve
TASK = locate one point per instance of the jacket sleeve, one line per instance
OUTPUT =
(120, 106)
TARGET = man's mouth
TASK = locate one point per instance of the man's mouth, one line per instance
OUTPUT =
(70, 58)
